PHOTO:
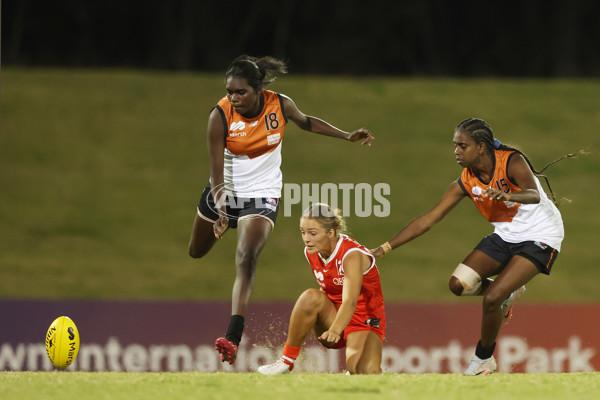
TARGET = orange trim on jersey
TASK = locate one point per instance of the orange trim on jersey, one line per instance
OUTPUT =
(551, 258)
(256, 136)
(492, 210)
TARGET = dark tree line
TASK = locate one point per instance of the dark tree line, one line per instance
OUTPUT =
(406, 37)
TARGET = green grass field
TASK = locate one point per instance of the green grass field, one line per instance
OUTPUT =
(101, 170)
(116, 386)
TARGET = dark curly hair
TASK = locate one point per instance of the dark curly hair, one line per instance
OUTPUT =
(259, 72)
(481, 132)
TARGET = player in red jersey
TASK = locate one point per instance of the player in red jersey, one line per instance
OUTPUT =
(527, 237)
(245, 135)
(348, 309)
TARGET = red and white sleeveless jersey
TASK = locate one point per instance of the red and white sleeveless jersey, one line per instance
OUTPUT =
(253, 148)
(330, 276)
(514, 222)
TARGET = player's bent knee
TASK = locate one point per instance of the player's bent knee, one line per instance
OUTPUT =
(493, 299)
(246, 261)
(310, 299)
(455, 286)
(467, 281)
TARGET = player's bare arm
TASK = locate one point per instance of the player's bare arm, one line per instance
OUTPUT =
(317, 125)
(216, 147)
(354, 265)
(418, 226)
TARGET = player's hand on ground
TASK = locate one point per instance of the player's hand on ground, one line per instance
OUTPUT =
(362, 134)
(220, 226)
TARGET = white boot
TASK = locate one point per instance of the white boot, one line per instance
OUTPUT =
(481, 367)
(278, 367)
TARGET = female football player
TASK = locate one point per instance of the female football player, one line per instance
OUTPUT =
(245, 132)
(528, 229)
(348, 309)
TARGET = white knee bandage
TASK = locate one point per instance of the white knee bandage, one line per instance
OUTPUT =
(470, 280)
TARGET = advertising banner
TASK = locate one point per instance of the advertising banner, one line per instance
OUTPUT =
(179, 336)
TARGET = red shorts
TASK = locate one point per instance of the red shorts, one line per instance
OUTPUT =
(362, 322)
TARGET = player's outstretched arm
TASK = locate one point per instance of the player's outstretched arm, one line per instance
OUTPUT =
(423, 223)
(317, 125)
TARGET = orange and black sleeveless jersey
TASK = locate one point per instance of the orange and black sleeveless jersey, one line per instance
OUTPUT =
(255, 136)
(513, 222)
(252, 155)
(493, 211)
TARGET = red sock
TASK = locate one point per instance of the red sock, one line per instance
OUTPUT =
(289, 355)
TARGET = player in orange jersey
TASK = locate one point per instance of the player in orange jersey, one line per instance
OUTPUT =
(245, 133)
(528, 232)
(348, 309)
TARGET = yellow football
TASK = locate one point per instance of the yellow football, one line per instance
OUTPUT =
(62, 342)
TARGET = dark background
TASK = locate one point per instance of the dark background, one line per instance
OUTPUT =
(403, 37)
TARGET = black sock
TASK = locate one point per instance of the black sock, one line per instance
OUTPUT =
(484, 352)
(235, 329)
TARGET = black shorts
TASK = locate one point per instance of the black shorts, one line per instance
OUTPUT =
(541, 254)
(238, 208)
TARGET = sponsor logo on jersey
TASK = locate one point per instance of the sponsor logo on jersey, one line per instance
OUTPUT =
(253, 124)
(338, 281)
(235, 126)
(273, 139)
(541, 245)
(236, 134)
(477, 191)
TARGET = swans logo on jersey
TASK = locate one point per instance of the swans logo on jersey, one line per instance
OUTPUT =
(320, 278)
(319, 275)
